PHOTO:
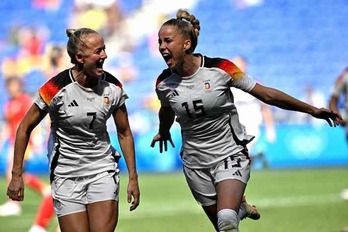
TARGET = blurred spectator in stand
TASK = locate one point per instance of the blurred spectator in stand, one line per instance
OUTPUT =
(55, 60)
(106, 17)
(148, 18)
(29, 43)
(103, 15)
(338, 95)
(253, 114)
(14, 110)
(114, 16)
(46, 4)
(315, 98)
(31, 48)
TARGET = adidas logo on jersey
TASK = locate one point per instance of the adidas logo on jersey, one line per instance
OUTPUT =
(174, 93)
(237, 173)
(73, 103)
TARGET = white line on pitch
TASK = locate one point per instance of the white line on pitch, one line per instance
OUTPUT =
(153, 209)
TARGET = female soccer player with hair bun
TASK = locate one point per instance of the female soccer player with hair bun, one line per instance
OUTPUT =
(195, 90)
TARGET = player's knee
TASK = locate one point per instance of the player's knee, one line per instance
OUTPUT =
(227, 220)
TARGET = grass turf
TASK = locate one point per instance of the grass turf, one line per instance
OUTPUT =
(301, 200)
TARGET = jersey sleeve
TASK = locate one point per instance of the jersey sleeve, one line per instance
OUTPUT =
(40, 102)
(121, 95)
(46, 94)
(121, 99)
(244, 82)
(234, 77)
(237, 78)
(161, 89)
(51, 88)
(161, 97)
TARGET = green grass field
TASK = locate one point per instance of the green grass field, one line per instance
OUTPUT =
(306, 200)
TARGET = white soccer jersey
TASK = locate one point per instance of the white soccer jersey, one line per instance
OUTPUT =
(204, 108)
(79, 143)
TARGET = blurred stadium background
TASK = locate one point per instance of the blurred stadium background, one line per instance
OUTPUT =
(299, 47)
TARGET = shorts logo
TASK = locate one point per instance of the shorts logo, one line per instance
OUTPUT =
(58, 204)
(237, 173)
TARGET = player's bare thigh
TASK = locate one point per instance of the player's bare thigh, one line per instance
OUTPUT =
(76, 222)
(229, 194)
(100, 216)
(103, 216)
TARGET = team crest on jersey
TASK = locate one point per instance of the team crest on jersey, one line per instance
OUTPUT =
(207, 85)
(106, 100)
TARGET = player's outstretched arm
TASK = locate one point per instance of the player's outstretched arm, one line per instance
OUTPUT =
(282, 100)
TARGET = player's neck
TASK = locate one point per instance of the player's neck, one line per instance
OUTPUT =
(189, 66)
(82, 79)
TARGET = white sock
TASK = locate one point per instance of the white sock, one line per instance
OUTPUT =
(37, 228)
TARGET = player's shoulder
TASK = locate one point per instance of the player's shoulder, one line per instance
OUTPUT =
(51, 87)
(218, 62)
(166, 73)
(108, 77)
(61, 79)
(54, 85)
(222, 64)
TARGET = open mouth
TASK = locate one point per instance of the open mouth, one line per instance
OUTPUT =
(166, 57)
(100, 64)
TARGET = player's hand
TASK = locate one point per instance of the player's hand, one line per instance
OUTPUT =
(15, 190)
(163, 141)
(344, 122)
(133, 194)
(333, 118)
